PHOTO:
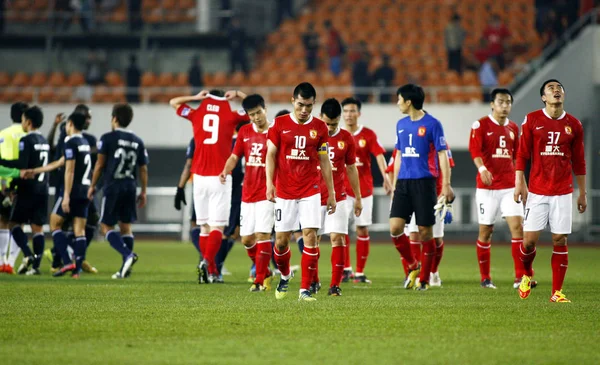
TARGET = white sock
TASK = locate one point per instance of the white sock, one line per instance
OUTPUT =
(13, 252)
(71, 253)
(3, 245)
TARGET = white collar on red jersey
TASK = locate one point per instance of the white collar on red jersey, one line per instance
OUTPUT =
(222, 98)
(360, 128)
(296, 120)
(495, 121)
(256, 129)
(559, 118)
(337, 131)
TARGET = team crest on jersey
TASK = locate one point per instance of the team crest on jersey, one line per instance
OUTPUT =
(313, 134)
(422, 131)
(512, 135)
(362, 142)
(341, 145)
(568, 130)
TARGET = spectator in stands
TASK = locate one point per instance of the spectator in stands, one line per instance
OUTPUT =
(454, 37)
(237, 46)
(63, 14)
(134, 8)
(361, 77)
(497, 35)
(95, 69)
(383, 78)
(311, 46)
(335, 48)
(488, 77)
(133, 77)
(2, 10)
(195, 75)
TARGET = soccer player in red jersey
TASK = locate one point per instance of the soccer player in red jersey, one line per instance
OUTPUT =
(342, 154)
(297, 145)
(257, 213)
(552, 140)
(214, 124)
(493, 146)
(367, 144)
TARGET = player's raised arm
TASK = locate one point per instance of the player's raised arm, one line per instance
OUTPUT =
(60, 117)
(475, 148)
(523, 155)
(579, 168)
(235, 94)
(180, 100)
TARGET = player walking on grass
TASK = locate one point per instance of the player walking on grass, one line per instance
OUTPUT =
(121, 154)
(493, 146)
(297, 145)
(257, 213)
(214, 124)
(419, 140)
(367, 145)
(552, 140)
(342, 154)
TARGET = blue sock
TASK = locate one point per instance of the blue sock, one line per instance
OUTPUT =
(128, 241)
(21, 240)
(114, 238)
(226, 245)
(90, 232)
(195, 237)
(300, 242)
(71, 239)
(80, 246)
(60, 245)
(38, 249)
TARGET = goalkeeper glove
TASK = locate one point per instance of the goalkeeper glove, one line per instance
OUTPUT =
(179, 197)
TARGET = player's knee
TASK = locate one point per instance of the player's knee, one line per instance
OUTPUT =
(439, 241)
(310, 237)
(105, 229)
(247, 241)
(559, 240)
(426, 233)
(362, 231)
(337, 240)
(396, 228)
(485, 233)
(281, 241)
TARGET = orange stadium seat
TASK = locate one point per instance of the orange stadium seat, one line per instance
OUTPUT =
(46, 95)
(148, 79)
(219, 79)
(76, 79)
(165, 79)
(20, 79)
(112, 78)
(237, 79)
(38, 79)
(4, 79)
(255, 79)
(181, 79)
(57, 78)
(101, 94)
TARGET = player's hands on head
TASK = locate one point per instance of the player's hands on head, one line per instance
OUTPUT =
(65, 205)
(582, 203)
(60, 117)
(521, 193)
(331, 204)
(271, 193)
(202, 95)
(179, 198)
(141, 200)
(486, 177)
(231, 94)
(358, 207)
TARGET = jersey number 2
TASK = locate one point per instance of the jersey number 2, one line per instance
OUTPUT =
(87, 160)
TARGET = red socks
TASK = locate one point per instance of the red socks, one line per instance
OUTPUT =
(527, 258)
(347, 264)
(202, 243)
(404, 266)
(263, 257)
(439, 252)
(309, 262)
(415, 248)
(315, 278)
(282, 259)
(515, 247)
(483, 257)
(427, 260)
(560, 262)
(362, 253)
(251, 251)
(213, 244)
(403, 247)
(337, 265)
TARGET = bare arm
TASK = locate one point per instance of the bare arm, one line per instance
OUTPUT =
(69, 176)
(325, 164)
(50, 167)
(270, 169)
(486, 176)
(352, 172)
(235, 94)
(57, 120)
(100, 163)
(446, 175)
(582, 199)
(141, 199)
(397, 164)
(229, 166)
(178, 101)
(387, 184)
(185, 174)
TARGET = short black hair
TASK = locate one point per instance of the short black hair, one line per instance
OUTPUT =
(282, 112)
(546, 83)
(414, 93)
(16, 111)
(78, 120)
(35, 115)
(331, 108)
(253, 101)
(217, 92)
(501, 91)
(305, 90)
(83, 109)
(352, 101)
(124, 114)
(239, 126)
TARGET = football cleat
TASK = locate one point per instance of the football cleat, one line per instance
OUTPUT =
(128, 264)
(487, 283)
(361, 279)
(422, 286)
(411, 278)
(27, 262)
(257, 288)
(525, 287)
(267, 282)
(116, 275)
(63, 270)
(305, 296)
(48, 255)
(434, 279)
(33, 271)
(315, 287)
(217, 279)
(87, 267)
(559, 297)
(202, 271)
(335, 291)
(516, 283)
(9, 269)
(283, 286)
(2, 267)
(75, 276)
(347, 276)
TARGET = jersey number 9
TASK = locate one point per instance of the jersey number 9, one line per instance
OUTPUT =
(210, 124)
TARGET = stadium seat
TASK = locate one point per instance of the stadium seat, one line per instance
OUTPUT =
(76, 79)
(237, 79)
(148, 79)
(181, 79)
(20, 79)
(57, 78)
(4, 79)
(112, 78)
(165, 79)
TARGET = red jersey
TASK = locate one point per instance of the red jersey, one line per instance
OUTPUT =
(497, 146)
(298, 149)
(253, 146)
(214, 123)
(439, 182)
(342, 153)
(555, 147)
(390, 165)
(367, 144)
(495, 38)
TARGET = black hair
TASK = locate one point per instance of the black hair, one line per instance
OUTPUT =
(546, 83)
(352, 101)
(331, 108)
(501, 91)
(253, 101)
(414, 93)
(78, 120)
(239, 126)
(217, 92)
(305, 90)
(35, 115)
(282, 112)
(83, 109)
(124, 114)
(16, 111)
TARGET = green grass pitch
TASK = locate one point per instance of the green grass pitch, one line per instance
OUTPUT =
(162, 316)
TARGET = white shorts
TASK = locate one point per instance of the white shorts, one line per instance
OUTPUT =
(305, 212)
(491, 202)
(438, 227)
(366, 216)
(556, 210)
(258, 217)
(212, 200)
(336, 222)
